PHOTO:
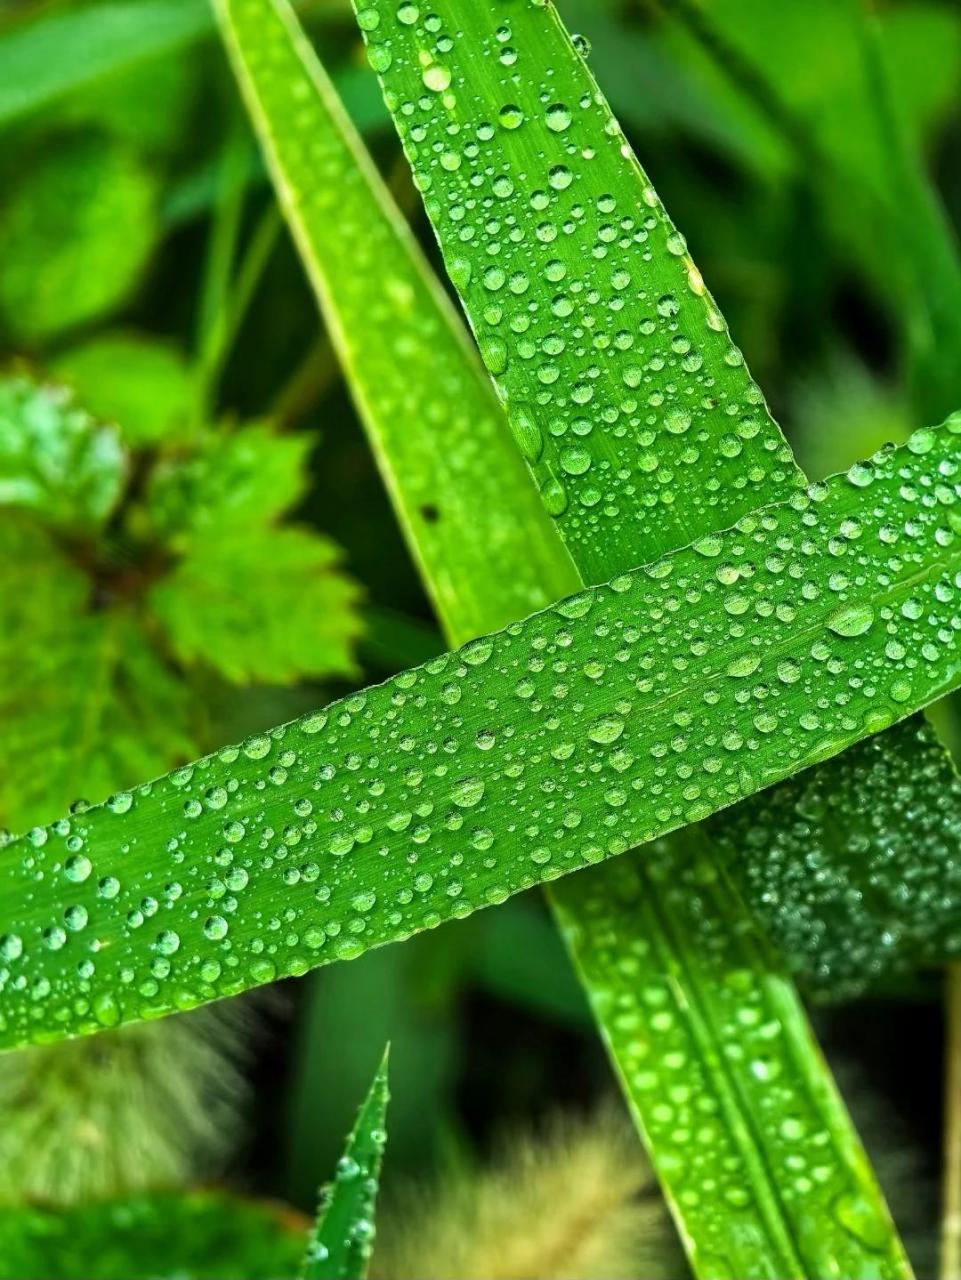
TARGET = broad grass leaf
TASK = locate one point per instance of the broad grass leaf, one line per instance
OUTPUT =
(626, 393)
(398, 807)
(794, 1029)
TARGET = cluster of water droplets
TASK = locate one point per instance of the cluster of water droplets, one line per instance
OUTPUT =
(620, 377)
(632, 933)
(612, 717)
(853, 867)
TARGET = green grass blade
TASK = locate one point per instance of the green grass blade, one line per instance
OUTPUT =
(622, 968)
(617, 368)
(723, 1074)
(490, 551)
(423, 372)
(340, 1244)
(441, 791)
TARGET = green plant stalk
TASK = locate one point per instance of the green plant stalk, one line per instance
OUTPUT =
(217, 273)
(341, 1241)
(229, 317)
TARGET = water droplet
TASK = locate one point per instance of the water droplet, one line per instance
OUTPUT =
(851, 619)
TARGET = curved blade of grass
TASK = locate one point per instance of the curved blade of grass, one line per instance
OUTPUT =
(340, 1243)
(502, 765)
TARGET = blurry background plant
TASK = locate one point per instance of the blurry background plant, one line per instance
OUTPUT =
(195, 544)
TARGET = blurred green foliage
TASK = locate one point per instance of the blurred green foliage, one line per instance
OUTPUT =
(75, 237)
(205, 1235)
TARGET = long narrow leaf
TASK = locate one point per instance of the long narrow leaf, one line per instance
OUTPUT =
(611, 718)
(484, 545)
(340, 1243)
(420, 369)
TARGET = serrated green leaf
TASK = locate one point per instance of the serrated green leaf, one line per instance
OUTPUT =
(54, 458)
(137, 381)
(74, 236)
(206, 1235)
(261, 604)
(351, 827)
(340, 1243)
(234, 480)
(82, 692)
